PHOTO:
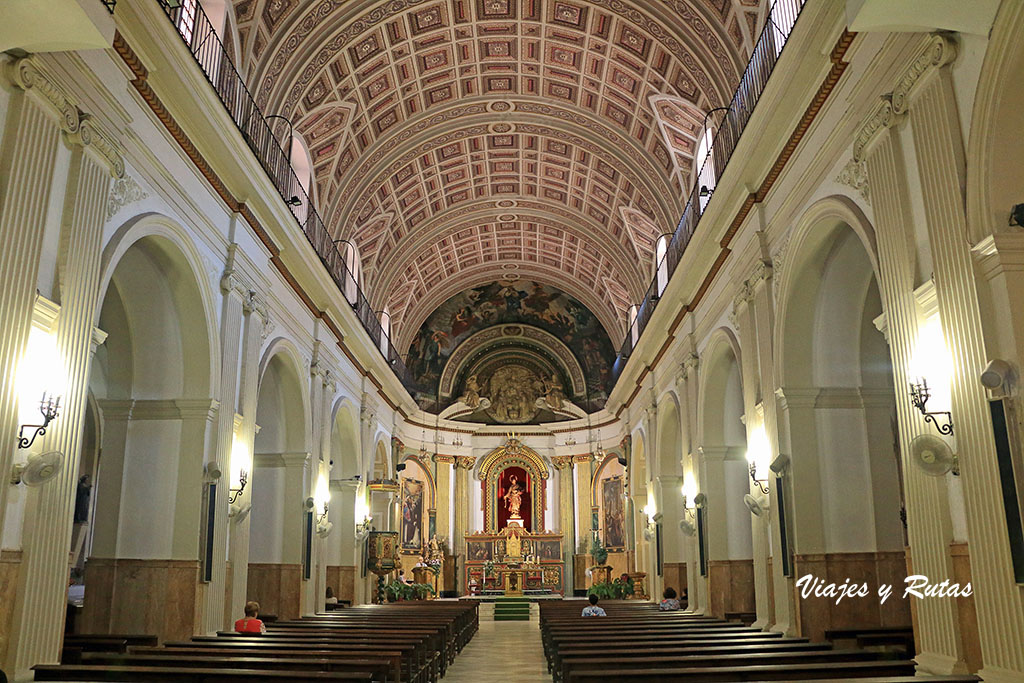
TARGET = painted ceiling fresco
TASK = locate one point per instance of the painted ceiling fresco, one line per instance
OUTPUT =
(507, 303)
(454, 140)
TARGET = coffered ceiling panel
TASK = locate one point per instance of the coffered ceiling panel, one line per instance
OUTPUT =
(454, 141)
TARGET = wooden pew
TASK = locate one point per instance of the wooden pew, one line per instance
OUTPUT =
(885, 669)
(146, 674)
(380, 668)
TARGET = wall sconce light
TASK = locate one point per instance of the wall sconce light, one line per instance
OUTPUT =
(235, 491)
(39, 374)
(919, 395)
(758, 451)
(49, 407)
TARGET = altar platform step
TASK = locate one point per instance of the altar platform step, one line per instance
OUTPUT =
(511, 609)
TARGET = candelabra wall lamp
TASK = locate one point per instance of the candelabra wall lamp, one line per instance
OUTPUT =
(692, 501)
(931, 366)
(240, 467)
(758, 454)
(322, 500)
(41, 384)
(919, 395)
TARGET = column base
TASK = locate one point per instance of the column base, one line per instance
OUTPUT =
(992, 674)
(939, 664)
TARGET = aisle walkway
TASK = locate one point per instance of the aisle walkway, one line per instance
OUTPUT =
(501, 652)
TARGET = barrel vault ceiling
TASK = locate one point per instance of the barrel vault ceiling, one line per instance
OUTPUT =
(457, 142)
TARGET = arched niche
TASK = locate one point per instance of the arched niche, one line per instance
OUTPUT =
(418, 492)
(608, 497)
(152, 381)
(837, 408)
(345, 445)
(494, 471)
(723, 476)
(281, 480)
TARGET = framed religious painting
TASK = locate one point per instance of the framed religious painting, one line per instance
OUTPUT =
(614, 513)
(412, 516)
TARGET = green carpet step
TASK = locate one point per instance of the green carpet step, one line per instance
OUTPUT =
(513, 610)
(511, 617)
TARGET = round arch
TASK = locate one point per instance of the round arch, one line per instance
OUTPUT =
(170, 249)
(345, 442)
(994, 146)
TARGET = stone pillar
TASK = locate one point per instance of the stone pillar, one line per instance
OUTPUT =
(929, 531)
(255, 321)
(40, 602)
(583, 476)
(940, 160)
(763, 320)
(743, 320)
(216, 615)
(37, 114)
(563, 464)
(463, 466)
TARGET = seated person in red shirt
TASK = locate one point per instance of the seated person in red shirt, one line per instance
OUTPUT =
(250, 623)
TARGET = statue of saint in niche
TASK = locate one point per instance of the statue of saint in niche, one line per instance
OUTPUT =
(514, 497)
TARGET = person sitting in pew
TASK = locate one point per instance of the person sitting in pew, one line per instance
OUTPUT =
(331, 599)
(669, 602)
(592, 610)
(250, 622)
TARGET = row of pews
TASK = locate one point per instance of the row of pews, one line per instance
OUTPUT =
(636, 643)
(410, 642)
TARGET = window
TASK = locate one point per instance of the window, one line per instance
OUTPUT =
(352, 272)
(187, 19)
(303, 174)
(661, 263)
(385, 327)
(705, 168)
(634, 328)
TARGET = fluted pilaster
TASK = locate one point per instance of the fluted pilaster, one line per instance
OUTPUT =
(928, 521)
(940, 160)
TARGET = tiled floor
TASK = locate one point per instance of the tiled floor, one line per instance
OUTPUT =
(501, 652)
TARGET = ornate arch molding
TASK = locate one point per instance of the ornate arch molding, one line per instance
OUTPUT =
(1000, 74)
(513, 454)
(525, 335)
(837, 210)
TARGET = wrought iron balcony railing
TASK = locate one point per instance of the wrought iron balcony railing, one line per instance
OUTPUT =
(199, 34)
(781, 18)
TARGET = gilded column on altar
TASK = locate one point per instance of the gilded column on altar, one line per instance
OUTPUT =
(40, 602)
(463, 467)
(583, 469)
(928, 519)
(938, 144)
(563, 463)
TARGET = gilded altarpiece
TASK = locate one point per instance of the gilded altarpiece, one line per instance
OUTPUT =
(515, 552)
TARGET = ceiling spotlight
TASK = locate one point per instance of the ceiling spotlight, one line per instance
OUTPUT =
(706, 191)
(294, 201)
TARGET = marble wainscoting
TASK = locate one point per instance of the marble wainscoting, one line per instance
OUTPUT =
(731, 586)
(162, 597)
(968, 616)
(10, 563)
(342, 579)
(816, 615)
(277, 587)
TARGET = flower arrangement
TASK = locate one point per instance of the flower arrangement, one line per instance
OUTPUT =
(396, 591)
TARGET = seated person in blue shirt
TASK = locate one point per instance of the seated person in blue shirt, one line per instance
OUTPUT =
(592, 610)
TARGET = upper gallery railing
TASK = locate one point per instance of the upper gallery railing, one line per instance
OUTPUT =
(199, 34)
(778, 26)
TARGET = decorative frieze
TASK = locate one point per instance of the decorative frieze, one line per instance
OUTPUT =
(124, 192)
(855, 175)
